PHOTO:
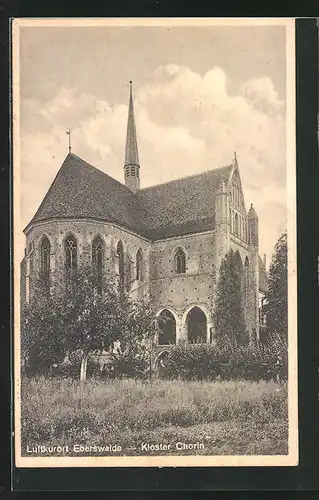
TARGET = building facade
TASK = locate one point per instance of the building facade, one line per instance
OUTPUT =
(165, 243)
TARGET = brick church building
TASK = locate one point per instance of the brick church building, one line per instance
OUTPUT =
(165, 242)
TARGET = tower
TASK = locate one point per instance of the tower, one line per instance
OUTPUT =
(253, 274)
(131, 165)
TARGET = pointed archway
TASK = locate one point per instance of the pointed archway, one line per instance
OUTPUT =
(167, 328)
(196, 326)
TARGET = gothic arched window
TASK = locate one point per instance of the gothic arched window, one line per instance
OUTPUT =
(120, 256)
(71, 252)
(236, 225)
(97, 260)
(180, 261)
(45, 250)
(139, 265)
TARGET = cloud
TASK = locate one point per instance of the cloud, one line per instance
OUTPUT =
(186, 123)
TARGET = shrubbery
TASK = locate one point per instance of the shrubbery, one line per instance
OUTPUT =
(211, 362)
(127, 364)
(188, 362)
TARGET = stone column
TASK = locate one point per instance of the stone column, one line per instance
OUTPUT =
(210, 332)
(181, 331)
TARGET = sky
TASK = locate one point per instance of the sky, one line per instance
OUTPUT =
(200, 93)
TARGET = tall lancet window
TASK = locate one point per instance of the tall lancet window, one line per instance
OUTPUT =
(139, 265)
(97, 261)
(71, 252)
(180, 261)
(236, 225)
(120, 256)
(45, 250)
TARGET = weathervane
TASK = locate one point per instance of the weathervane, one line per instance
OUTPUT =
(69, 134)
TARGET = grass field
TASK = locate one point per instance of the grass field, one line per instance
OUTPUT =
(234, 417)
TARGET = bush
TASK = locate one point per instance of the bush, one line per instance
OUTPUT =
(126, 365)
(211, 362)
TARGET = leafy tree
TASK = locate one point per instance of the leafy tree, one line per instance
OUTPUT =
(228, 314)
(276, 299)
(79, 315)
(42, 340)
(136, 345)
(94, 320)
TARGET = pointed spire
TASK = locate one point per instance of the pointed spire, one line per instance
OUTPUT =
(132, 164)
(131, 152)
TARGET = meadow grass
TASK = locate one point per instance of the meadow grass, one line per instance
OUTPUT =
(231, 417)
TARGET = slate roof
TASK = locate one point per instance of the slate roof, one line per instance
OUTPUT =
(182, 206)
(82, 191)
(174, 208)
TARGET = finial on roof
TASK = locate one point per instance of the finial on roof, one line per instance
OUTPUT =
(252, 212)
(68, 132)
(235, 162)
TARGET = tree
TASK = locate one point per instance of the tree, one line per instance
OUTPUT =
(134, 357)
(42, 340)
(80, 315)
(94, 320)
(276, 298)
(228, 315)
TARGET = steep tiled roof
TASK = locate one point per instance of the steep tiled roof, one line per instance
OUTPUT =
(263, 285)
(82, 191)
(184, 205)
(174, 208)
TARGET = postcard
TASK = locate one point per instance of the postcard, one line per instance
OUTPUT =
(155, 290)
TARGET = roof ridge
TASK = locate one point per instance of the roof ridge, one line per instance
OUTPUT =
(155, 185)
(100, 171)
(186, 177)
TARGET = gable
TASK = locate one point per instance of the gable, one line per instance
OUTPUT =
(237, 200)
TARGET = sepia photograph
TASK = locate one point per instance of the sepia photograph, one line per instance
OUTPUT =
(155, 291)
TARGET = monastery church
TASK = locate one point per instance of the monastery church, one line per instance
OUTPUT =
(165, 243)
